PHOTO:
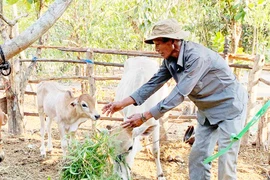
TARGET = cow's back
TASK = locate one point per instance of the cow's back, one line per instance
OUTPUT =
(48, 96)
(138, 71)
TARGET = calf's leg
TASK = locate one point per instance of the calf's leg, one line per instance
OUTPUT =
(64, 143)
(49, 130)
(42, 133)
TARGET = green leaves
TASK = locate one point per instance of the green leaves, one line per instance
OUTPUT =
(90, 159)
(218, 42)
(240, 15)
(11, 2)
(28, 4)
(261, 1)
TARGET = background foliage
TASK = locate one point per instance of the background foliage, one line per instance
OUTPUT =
(118, 24)
(122, 24)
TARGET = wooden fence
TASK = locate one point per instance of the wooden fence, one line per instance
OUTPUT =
(255, 66)
(256, 69)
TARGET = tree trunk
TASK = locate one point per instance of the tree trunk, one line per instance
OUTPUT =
(15, 90)
(31, 34)
(261, 141)
(254, 40)
(236, 35)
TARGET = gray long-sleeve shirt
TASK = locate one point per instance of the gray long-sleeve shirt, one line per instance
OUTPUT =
(202, 75)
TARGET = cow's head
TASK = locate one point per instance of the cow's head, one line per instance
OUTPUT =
(86, 106)
(124, 141)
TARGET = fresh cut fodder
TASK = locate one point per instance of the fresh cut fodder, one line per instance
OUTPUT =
(91, 158)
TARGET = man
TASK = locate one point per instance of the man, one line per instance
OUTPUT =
(203, 76)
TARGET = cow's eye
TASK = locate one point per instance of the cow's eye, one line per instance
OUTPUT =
(130, 148)
(84, 105)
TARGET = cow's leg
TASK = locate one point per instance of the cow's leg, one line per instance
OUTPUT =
(146, 144)
(49, 131)
(164, 126)
(42, 132)
(71, 137)
(156, 152)
(64, 143)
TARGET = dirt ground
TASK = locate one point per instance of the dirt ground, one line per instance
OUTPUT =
(23, 161)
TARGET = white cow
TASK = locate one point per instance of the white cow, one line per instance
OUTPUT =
(123, 141)
(138, 71)
(68, 112)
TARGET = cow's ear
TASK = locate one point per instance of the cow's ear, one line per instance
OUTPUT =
(143, 130)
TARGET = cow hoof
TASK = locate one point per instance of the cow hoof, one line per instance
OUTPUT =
(161, 178)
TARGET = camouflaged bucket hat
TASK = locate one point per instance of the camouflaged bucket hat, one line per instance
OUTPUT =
(168, 28)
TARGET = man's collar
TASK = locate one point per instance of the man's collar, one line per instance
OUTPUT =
(181, 55)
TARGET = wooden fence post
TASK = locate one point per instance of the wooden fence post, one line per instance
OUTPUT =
(90, 73)
(262, 140)
(14, 104)
(91, 81)
(253, 80)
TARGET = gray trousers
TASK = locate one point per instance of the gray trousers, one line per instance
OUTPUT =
(206, 137)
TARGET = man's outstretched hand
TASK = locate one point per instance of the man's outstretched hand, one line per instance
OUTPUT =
(112, 107)
(134, 120)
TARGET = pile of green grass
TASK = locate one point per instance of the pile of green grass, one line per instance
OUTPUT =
(91, 159)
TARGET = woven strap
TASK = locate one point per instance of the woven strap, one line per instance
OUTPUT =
(235, 138)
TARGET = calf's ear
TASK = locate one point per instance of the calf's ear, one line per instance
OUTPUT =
(143, 130)
(74, 103)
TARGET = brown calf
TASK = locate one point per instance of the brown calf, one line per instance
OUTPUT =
(68, 112)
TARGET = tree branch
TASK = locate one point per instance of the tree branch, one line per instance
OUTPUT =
(12, 23)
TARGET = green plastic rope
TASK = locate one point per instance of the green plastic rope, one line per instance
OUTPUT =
(235, 138)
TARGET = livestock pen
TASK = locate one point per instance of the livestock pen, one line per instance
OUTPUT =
(174, 152)
(90, 76)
